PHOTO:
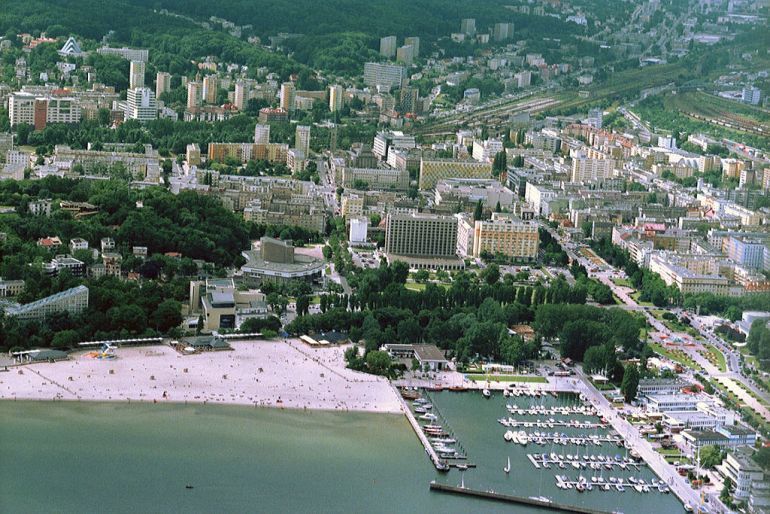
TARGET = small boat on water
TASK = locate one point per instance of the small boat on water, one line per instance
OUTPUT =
(507, 468)
(542, 499)
(419, 410)
(462, 467)
(486, 393)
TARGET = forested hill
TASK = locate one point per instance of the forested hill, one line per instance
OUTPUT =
(173, 41)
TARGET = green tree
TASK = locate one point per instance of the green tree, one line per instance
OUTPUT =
(378, 362)
(167, 315)
(630, 384)
(65, 339)
(710, 456)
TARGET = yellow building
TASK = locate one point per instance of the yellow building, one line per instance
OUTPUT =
(433, 170)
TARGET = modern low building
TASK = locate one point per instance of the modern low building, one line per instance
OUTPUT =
(73, 300)
(433, 170)
(722, 437)
(429, 356)
(739, 467)
(222, 305)
(276, 261)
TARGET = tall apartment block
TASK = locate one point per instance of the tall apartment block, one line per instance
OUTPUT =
(388, 46)
(136, 74)
(162, 83)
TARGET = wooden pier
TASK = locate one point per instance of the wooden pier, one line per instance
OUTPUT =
(508, 498)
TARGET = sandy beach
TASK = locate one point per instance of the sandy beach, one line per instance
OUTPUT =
(258, 373)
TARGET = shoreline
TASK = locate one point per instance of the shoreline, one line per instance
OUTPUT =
(269, 374)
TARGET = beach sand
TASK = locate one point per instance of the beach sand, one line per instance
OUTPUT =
(258, 373)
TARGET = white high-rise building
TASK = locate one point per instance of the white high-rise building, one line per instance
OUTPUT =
(136, 75)
(388, 75)
(21, 108)
(261, 134)
(302, 139)
(141, 104)
(468, 26)
(162, 83)
(336, 98)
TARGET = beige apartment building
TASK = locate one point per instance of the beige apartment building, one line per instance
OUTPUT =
(506, 235)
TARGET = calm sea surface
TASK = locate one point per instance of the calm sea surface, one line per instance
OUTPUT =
(106, 457)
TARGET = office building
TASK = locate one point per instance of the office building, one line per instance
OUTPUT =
(209, 93)
(162, 83)
(405, 54)
(141, 104)
(261, 134)
(358, 230)
(503, 31)
(487, 150)
(136, 74)
(73, 300)
(287, 96)
(433, 170)
(295, 160)
(386, 75)
(414, 41)
(302, 139)
(194, 94)
(130, 54)
(422, 240)
(746, 252)
(388, 46)
(507, 236)
(277, 261)
(336, 98)
(468, 26)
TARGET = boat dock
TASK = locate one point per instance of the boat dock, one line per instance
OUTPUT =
(550, 423)
(437, 462)
(508, 498)
(582, 462)
(611, 484)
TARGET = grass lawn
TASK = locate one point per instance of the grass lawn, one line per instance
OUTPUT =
(415, 286)
(624, 282)
(507, 378)
(716, 357)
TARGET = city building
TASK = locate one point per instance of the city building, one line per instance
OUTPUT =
(722, 437)
(194, 94)
(433, 170)
(193, 154)
(261, 134)
(358, 230)
(414, 41)
(502, 31)
(266, 115)
(585, 170)
(277, 261)
(271, 152)
(405, 54)
(141, 104)
(386, 75)
(287, 96)
(423, 241)
(746, 252)
(136, 74)
(209, 91)
(162, 83)
(141, 166)
(222, 305)
(40, 207)
(741, 469)
(388, 46)
(130, 54)
(468, 26)
(751, 95)
(39, 111)
(384, 141)
(336, 98)
(486, 150)
(295, 160)
(375, 178)
(507, 236)
(11, 287)
(302, 139)
(74, 301)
